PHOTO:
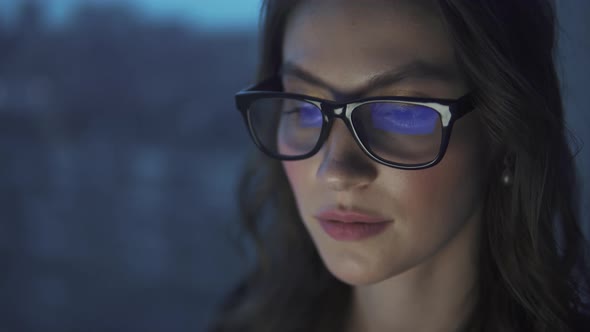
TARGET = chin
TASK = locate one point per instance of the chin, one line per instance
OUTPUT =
(356, 273)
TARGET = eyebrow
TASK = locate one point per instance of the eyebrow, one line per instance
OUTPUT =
(414, 69)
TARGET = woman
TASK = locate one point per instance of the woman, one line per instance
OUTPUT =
(420, 177)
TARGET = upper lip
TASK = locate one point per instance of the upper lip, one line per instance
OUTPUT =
(349, 216)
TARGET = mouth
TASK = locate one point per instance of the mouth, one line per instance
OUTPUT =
(351, 225)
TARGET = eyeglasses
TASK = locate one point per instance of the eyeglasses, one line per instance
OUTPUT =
(400, 132)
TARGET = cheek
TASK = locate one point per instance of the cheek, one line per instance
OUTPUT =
(438, 196)
(294, 172)
(448, 193)
(302, 184)
(297, 173)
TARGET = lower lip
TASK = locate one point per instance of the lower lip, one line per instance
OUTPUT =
(342, 231)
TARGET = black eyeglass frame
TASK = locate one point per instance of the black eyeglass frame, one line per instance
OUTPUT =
(450, 110)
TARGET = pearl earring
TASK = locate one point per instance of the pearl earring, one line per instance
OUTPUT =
(507, 173)
(506, 177)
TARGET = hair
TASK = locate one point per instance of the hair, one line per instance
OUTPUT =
(533, 275)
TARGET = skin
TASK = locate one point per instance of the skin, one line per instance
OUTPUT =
(419, 274)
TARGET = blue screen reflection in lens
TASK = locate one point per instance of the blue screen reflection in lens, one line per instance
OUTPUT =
(309, 116)
(402, 118)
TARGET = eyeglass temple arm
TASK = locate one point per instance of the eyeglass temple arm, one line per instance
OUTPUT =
(463, 105)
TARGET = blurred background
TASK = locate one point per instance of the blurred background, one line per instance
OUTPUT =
(119, 152)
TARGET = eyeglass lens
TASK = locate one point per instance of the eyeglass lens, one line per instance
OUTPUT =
(397, 132)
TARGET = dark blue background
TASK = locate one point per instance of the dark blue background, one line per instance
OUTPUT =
(120, 147)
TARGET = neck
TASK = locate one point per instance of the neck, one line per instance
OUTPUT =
(437, 295)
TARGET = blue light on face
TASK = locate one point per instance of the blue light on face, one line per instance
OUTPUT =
(400, 118)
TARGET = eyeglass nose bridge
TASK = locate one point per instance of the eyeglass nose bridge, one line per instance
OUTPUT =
(336, 110)
(333, 111)
(342, 111)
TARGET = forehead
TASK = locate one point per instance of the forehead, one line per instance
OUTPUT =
(345, 41)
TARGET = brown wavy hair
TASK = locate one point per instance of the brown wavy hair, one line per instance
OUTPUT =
(534, 275)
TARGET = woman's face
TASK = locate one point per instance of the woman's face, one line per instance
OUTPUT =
(343, 46)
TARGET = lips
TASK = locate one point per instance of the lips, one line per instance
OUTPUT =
(349, 216)
(344, 225)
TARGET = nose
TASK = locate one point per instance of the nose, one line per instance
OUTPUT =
(344, 165)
